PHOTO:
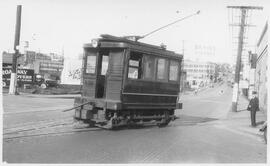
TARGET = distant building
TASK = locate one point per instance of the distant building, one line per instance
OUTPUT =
(183, 81)
(50, 66)
(222, 69)
(261, 68)
(7, 59)
(199, 74)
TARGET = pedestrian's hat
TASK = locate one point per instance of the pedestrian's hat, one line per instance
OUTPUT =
(254, 92)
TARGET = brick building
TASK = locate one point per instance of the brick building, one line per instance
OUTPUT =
(199, 74)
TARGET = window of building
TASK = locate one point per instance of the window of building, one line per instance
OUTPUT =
(162, 71)
(173, 76)
(149, 68)
(91, 64)
(135, 65)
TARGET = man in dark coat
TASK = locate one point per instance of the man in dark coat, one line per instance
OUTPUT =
(253, 106)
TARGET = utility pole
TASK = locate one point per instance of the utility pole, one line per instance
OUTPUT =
(242, 25)
(13, 77)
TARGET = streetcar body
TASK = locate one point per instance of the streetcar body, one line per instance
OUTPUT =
(128, 82)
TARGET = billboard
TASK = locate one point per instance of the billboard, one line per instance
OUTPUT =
(71, 73)
(24, 76)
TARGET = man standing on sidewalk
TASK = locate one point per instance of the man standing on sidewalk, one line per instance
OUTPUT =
(253, 106)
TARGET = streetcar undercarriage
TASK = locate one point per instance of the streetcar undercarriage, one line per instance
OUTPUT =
(110, 119)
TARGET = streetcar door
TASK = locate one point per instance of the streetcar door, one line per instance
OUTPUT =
(102, 68)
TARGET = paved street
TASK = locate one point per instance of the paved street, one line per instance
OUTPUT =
(205, 133)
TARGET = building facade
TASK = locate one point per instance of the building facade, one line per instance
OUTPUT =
(261, 70)
(50, 66)
(199, 74)
(7, 60)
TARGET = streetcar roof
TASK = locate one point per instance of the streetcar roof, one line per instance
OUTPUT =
(108, 41)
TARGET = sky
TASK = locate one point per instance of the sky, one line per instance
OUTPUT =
(65, 25)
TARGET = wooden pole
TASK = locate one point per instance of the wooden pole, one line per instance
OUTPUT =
(13, 77)
(238, 61)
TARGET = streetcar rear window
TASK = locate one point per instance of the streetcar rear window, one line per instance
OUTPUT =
(173, 76)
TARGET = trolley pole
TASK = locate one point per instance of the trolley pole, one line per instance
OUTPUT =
(242, 25)
(165, 26)
(13, 77)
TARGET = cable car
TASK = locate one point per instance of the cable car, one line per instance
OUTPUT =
(126, 82)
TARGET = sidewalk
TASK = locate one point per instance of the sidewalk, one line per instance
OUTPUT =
(240, 120)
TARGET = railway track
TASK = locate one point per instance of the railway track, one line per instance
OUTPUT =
(44, 128)
(33, 125)
(67, 125)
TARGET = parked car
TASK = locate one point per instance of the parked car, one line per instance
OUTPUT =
(44, 83)
(51, 83)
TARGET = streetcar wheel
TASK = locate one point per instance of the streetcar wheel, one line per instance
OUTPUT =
(91, 123)
(167, 121)
(162, 125)
(88, 122)
(4, 84)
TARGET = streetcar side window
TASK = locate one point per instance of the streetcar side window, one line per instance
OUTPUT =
(162, 69)
(173, 71)
(135, 65)
(149, 67)
(90, 64)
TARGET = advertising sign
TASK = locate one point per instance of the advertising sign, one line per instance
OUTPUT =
(71, 73)
(24, 76)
